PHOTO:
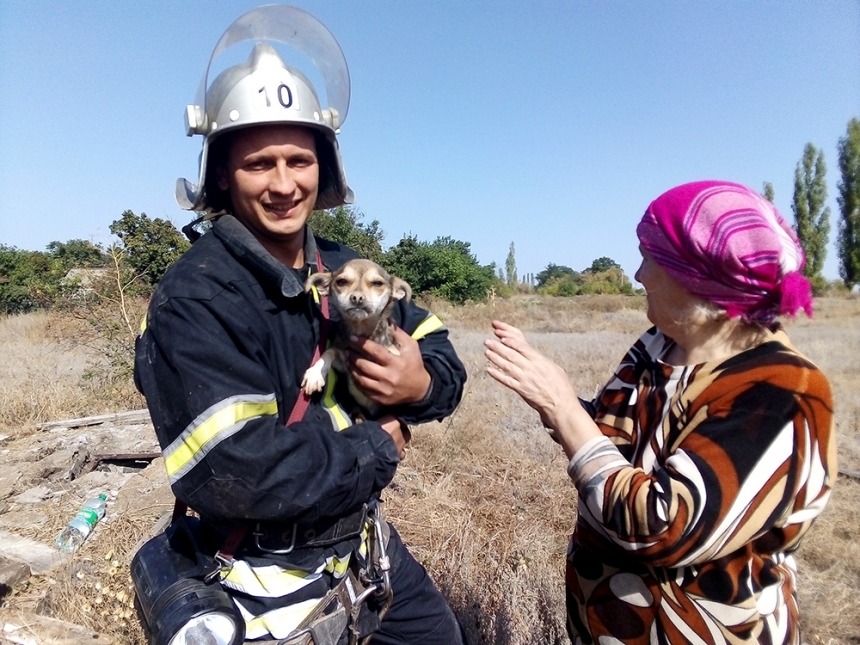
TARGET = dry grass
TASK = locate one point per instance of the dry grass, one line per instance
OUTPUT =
(49, 372)
(483, 499)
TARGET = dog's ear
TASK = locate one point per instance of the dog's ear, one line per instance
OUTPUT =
(319, 280)
(400, 289)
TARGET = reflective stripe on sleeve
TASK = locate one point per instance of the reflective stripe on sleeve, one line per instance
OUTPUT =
(430, 324)
(215, 424)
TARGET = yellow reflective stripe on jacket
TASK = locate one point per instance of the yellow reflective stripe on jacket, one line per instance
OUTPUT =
(364, 547)
(272, 581)
(269, 581)
(143, 325)
(339, 417)
(278, 622)
(337, 567)
(217, 423)
(430, 324)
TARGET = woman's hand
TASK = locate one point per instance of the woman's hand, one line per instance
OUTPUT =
(517, 365)
(541, 383)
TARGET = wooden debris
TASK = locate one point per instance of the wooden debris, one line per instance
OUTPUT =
(39, 557)
(32, 495)
(11, 573)
(121, 418)
(126, 456)
(25, 628)
(82, 456)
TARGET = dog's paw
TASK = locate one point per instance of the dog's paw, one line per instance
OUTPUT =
(313, 380)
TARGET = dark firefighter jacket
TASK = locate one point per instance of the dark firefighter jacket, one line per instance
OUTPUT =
(228, 336)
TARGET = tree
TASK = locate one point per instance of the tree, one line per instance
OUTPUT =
(603, 264)
(811, 217)
(511, 267)
(78, 254)
(603, 276)
(150, 245)
(343, 224)
(611, 280)
(444, 268)
(849, 205)
(558, 280)
(29, 280)
(553, 272)
(767, 192)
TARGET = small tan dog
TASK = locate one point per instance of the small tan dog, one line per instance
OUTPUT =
(364, 294)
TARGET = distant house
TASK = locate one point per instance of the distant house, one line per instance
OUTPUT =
(85, 278)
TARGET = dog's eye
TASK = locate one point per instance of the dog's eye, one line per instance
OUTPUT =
(341, 282)
(377, 283)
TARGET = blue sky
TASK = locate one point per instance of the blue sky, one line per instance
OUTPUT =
(548, 124)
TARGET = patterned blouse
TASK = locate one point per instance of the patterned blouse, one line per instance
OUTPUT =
(693, 501)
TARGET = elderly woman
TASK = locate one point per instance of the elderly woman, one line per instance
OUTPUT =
(710, 451)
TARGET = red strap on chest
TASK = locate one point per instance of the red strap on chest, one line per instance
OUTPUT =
(304, 400)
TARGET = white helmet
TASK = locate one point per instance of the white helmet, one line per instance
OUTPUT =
(265, 90)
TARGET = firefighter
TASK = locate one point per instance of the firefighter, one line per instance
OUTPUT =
(229, 333)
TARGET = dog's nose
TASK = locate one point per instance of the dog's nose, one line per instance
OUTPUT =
(356, 298)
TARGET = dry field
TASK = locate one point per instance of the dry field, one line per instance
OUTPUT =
(482, 499)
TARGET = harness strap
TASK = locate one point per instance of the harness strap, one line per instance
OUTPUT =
(304, 400)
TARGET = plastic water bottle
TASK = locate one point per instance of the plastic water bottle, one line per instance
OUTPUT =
(82, 524)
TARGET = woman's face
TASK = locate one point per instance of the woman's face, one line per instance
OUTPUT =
(669, 304)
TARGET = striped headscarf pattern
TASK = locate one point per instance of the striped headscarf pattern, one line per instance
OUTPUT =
(727, 244)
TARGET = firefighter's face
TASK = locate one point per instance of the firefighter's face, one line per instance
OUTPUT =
(272, 175)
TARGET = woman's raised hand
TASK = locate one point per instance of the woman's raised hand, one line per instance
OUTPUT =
(542, 384)
(517, 365)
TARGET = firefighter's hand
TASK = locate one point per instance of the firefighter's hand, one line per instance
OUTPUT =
(399, 432)
(388, 378)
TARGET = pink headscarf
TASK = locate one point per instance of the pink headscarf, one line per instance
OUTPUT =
(727, 244)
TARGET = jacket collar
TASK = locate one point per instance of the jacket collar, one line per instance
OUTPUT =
(248, 250)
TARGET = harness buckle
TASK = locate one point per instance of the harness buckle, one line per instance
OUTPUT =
(222, 562)
(379, 564)
(258, 534)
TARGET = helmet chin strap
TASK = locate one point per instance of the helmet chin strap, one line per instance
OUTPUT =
(192, 233)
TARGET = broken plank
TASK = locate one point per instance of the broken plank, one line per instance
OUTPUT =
(126, 456)
(39, 557)
(132, 417)
(25, 628)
